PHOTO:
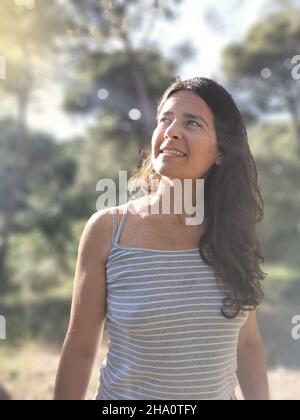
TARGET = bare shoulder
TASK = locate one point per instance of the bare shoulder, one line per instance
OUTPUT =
(98, 230)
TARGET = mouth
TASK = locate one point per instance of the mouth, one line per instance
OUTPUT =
(172, 153)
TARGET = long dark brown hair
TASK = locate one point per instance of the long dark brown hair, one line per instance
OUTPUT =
(233, 202)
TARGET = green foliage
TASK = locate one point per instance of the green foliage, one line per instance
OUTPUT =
(36, 195)
(34, 266)
(133, 73)
(113, 71)
(268, 47)
(267, 44)
(279, 173)
(103, 154)
(45, 169)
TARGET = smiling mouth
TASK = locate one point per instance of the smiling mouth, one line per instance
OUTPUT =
(172, 153)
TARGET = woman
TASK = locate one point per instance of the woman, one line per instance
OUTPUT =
(178, 298)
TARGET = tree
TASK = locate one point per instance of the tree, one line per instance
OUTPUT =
(261, 68)
(117, 70)
(42, 200)
(279, 172)
(132, 72)
(28, 34)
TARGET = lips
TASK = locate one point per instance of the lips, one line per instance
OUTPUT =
(171, 151)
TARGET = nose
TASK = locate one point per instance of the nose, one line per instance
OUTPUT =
(173, 131)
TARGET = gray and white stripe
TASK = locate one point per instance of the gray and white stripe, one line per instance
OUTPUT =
(167, 337)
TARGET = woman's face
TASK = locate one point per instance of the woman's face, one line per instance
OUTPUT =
(185, 124)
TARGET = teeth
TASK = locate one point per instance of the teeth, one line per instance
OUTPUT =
(172, 152)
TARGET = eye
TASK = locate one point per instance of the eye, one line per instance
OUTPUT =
(193, 121)
(163, 119)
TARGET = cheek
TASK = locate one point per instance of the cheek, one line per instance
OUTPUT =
(154, 136)
(155, 139)
(153, 145)
(202, 149)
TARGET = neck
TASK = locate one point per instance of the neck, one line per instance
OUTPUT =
(181, 199)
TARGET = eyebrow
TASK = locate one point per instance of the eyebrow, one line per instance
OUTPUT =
(195, 117)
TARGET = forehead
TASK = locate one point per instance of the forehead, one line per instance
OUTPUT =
(187, 102)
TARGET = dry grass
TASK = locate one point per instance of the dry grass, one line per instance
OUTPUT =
(29, 373)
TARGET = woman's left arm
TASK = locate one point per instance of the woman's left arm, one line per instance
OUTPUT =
(251, 362)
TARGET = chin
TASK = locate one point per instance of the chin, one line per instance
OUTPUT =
(171, 174)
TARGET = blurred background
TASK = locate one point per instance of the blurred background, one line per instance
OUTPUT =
(79, 85)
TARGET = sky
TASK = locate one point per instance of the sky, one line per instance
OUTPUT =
(209, 27)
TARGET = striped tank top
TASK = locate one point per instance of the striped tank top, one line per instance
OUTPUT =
(167, 337)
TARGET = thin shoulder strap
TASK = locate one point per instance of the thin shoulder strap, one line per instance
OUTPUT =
(116, 230)
(113, 212)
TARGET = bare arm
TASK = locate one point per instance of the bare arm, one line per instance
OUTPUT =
(87, 312)
(252, 366)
